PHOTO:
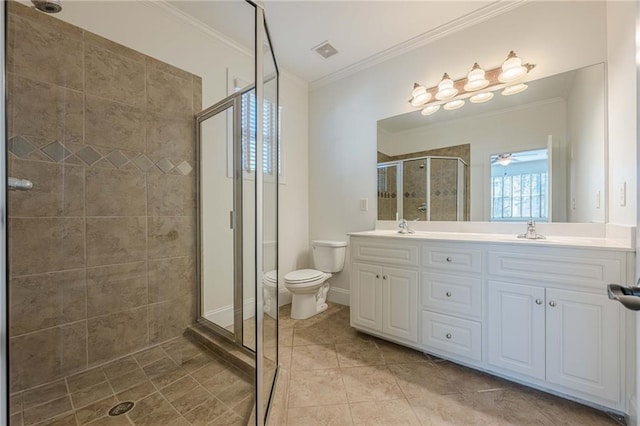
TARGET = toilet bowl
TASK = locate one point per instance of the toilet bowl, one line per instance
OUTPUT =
(309, 287)
(269, 289)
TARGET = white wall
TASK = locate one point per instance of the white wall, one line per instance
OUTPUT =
(155, 30)
(557, 36)
(585, 134)
(621, 21)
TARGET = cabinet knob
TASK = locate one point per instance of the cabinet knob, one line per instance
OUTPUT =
(449, 259)
(377, 275)
(448, 294)
(538, 301)
(448, 335)
(552, 303)
(384, 277)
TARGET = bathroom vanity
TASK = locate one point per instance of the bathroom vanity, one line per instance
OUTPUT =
(533, 311)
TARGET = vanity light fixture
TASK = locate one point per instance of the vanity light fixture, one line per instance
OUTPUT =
(475, 79)
(450, 106)
(430, 109)
(516, 88)
(478, 86)
(481, 97)
(446, 89)
(512, 69)
(419, 95)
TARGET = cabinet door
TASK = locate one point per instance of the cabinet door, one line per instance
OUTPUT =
(366, 296)
(400, 307)
(516, 327)
(583, 342)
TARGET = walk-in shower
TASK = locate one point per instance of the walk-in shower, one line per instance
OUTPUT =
(432, 188)
(119, 173)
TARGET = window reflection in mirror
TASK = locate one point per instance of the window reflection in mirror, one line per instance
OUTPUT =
(520, 185)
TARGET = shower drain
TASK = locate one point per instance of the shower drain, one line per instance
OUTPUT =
(120, 409)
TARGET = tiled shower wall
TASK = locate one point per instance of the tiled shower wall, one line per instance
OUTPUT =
(443, 174)
(102, 248)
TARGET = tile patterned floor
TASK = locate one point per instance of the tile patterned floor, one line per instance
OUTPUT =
(333, 375)
(330, 375)
(177, 383)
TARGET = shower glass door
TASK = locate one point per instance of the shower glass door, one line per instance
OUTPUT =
(221, 219)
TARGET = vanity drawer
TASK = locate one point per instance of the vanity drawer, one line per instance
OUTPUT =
(451, 258)
(453, 335)
(452, 294)
(392, 254)
(592, 271)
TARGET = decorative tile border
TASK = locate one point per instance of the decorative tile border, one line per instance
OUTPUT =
(21, 147)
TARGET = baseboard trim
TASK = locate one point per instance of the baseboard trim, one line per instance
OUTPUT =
(339, 296)
(632, 416)
(224, 316)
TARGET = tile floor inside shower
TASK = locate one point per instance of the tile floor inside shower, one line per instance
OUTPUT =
(177, 383)
(330, 374)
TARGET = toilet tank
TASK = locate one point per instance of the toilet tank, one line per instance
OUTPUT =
(328, 256)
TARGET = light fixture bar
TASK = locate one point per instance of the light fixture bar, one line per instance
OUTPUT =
(470, 85)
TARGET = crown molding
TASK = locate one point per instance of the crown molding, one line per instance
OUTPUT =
(494, 9)
(197, 24)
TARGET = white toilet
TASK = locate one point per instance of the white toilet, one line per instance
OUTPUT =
(309, 287)
(269, 289)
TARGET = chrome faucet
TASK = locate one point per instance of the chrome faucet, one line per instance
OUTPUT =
(531, 233)
(403, 227)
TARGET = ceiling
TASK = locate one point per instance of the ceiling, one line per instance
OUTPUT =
(363, 32)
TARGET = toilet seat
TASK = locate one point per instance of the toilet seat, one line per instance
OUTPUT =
(303, 276)
(270, 279)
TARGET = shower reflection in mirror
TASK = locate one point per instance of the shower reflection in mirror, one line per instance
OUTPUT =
(430, 188)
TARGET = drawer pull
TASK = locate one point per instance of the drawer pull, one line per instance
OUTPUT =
(538, 301)
(448, 294)
(448, 336)
(449, 259)
(552, 303)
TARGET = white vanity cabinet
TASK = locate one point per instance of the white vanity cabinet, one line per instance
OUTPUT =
(383, 296)
(451, 300)
(531, 311)
(549, 318)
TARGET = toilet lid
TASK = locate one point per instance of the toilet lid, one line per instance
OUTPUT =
(303, 275)
(270, 276)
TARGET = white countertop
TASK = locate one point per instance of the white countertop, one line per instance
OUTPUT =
(549, 241)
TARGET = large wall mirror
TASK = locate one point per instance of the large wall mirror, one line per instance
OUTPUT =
(539, 154)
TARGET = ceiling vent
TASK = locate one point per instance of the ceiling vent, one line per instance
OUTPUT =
(325, 49)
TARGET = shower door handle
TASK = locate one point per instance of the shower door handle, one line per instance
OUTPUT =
(16, 184)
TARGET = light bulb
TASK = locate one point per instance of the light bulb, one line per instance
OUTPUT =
(446, 89)
(475, 79)
(512, 90)
(419, 95)
(512, 69)
(430, 109)
(450, 106)
(481, 97)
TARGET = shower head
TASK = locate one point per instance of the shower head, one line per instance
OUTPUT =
(48, 6)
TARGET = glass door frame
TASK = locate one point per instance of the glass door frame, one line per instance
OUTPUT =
(4, 299)
(236, 219)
